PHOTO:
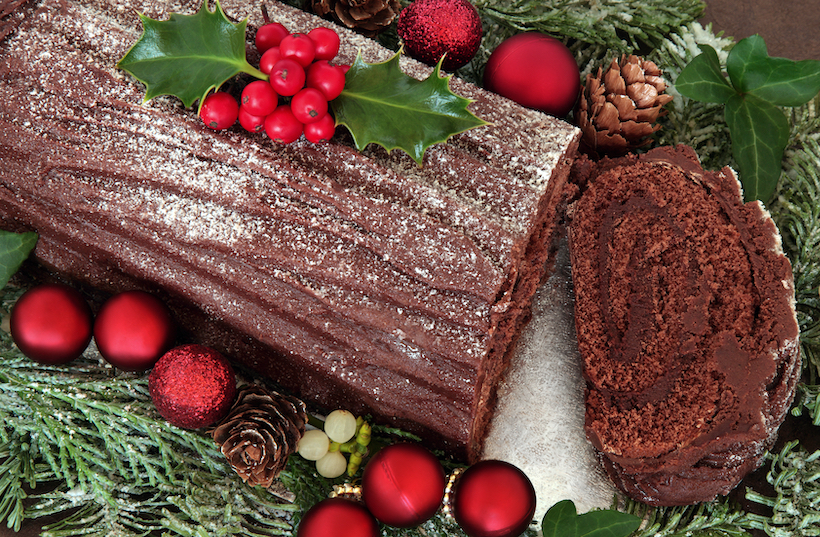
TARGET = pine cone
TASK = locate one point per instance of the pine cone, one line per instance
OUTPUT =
(260, 432)
(618, 109)
(368, 17)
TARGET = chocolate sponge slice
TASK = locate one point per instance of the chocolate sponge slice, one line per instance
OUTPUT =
(686, 325)
(358, 280)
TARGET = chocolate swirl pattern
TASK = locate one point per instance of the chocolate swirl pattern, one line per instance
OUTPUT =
(686, 325)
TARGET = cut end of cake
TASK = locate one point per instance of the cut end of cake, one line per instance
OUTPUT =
(686, 325)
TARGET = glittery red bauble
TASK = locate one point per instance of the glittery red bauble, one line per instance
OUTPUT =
(403, 485)
(51, 324)
(133, 329)
(192, 386)
(338, 517)
(431, 28)
(493, 499)
(536, 71)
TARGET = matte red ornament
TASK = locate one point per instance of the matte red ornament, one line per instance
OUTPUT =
(403, 485)
(192, 386)
(536, 71)
(133, 329)
(338, 516)
(493, 499)
(51, 324)
(431, 28)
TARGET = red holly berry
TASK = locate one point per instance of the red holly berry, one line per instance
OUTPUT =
(299, 47)
(269, 59)
(51, 324)
(326, 41)
(322, 130)
(308, 105)
(269, 35)
(287, 77)
(327, 78)
(282, 126)
(250, 122)
(259, 98)
(219, 110)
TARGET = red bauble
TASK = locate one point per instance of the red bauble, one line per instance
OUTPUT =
(338, 516)
(403, 485)
(51, 324)
(133, 329)
(493, 499)
(431, 28)
(192, 386)
(536, 71)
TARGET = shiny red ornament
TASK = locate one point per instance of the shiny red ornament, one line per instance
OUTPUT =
(51, 324)
(403, 485)
(192, 386)
(431, 28)
(133, 329)
(338, 517)
(493, 499)
(536, 71)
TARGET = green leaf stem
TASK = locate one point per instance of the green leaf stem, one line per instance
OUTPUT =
(382, 105)
(562, 520)
(187, 56)
(14, 249)
(757, 86)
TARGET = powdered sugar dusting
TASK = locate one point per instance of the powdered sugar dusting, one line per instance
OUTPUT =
(363, 267)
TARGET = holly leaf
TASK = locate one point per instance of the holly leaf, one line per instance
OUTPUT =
(382, 105)
(562, 520)
(760, 132)
(779, 81)
(14, 249)
(702, 79)
(187, 56)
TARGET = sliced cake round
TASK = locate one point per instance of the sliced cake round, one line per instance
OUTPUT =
(686, 325)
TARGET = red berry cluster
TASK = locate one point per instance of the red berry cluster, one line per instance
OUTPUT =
(294, 101)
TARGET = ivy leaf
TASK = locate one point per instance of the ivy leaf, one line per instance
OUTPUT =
(562, 520)
(760, 132)
(382, 105)
(779, 81)
(188, 55)
(759, 85)
(702, 79)
(14, 249)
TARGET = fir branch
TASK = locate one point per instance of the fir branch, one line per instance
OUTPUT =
(719, 518)
(699, 125)
(620, 25)
(795, 475)
(796, 210)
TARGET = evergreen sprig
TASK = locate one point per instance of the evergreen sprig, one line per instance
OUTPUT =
(719, 518)
(620, 25)
(795, 475)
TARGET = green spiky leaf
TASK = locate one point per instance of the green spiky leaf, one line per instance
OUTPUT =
(187, 56)
(382, 105)
(14, 249)
(562, 520)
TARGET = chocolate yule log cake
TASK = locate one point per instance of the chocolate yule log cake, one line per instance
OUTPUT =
(686, 325)
(358, 280)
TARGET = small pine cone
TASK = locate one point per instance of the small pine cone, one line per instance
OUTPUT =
(260, 432)
(368, 17)
(618, 108)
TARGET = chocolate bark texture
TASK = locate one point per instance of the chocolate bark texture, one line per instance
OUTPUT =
(686, 325)
(357, 280)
